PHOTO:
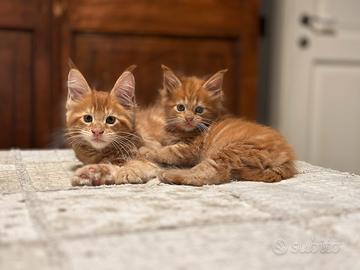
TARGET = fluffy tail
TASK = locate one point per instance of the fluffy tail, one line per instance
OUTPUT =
(267, 174)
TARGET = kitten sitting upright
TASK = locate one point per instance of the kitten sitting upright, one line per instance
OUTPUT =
(103, 133)
(101, 125)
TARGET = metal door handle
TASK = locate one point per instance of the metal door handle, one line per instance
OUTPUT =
(318, 25)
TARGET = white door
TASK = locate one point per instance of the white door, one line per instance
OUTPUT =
(316, 80)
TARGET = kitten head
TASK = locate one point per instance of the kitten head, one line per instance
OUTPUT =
(191, 103)
(97, 118)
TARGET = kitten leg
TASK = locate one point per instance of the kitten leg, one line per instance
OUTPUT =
(179, 154)
(95, 175)
(207, 172)
(237, 162)
(250, 166)
(136, 171)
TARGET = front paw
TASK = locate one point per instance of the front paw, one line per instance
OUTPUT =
(172, 176)
(94, 175)
(129, 175)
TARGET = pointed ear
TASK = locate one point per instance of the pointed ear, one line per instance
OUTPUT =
(170, 80)
(215, 82)
(124, 88)
(77, 85)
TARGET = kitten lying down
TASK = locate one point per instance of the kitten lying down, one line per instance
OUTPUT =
(226, 148)
(183, 128)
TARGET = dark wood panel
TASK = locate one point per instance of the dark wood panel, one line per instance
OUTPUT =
(103, 57)
(15, 89)
(19, 13)
(180, 17)
(25, 47)
(43, 71)
(103, 37)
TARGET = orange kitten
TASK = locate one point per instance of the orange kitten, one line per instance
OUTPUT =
(231, 149)
(101, 129)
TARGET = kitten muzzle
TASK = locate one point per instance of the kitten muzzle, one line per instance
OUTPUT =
(97, 133)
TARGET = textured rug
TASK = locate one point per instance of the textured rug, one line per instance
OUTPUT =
(309, 222)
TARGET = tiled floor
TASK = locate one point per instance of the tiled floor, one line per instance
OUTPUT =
(308, 222)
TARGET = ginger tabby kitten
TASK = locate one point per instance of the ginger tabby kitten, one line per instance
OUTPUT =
(231, 149)
(101, 129)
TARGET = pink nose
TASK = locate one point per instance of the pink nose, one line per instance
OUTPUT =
(97, 132)
(189, 119)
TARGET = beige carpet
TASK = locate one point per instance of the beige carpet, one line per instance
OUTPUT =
(309, 222)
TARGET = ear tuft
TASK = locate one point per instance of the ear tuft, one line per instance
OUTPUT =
(215, 82)
(71, 64)
(124, 88)
(131, 68)
(170, 80)
(77, 85)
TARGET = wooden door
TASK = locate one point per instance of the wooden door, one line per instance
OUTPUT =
(103, 37)
(25, 88)
(193, 37)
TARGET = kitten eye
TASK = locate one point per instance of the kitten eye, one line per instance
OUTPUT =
(180, 108)
(199, 109)
(110, 120)
(88, 118)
